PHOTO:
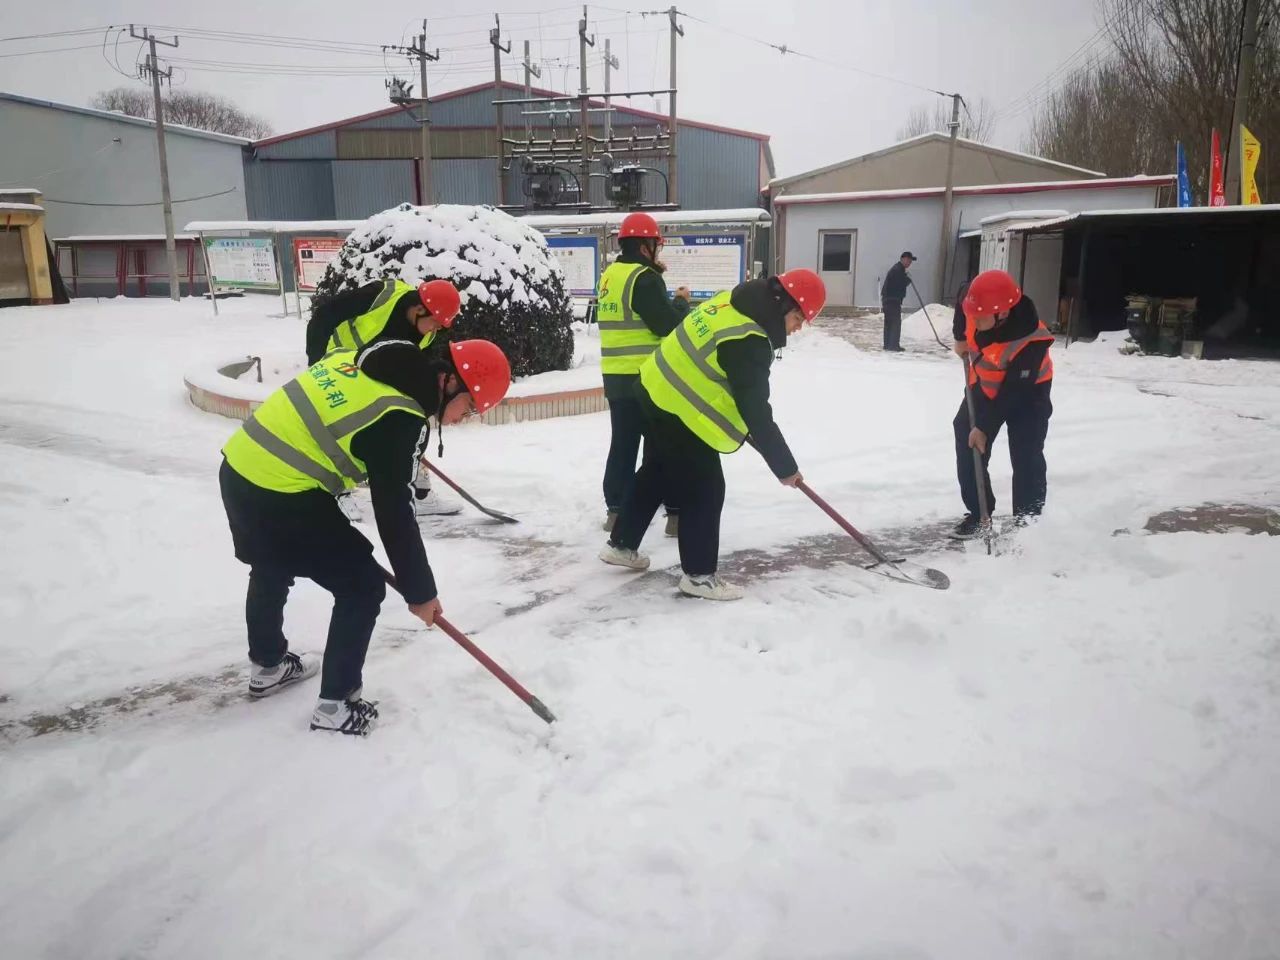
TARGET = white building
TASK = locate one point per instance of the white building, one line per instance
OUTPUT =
(851, 239)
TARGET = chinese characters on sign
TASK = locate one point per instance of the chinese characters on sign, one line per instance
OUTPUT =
(312, 256)
(704, 264)
(249, 263)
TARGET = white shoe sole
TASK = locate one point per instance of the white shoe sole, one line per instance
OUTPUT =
(259, 692)
(640, 564)
(691, 589)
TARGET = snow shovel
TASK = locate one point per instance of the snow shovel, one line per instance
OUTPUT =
(466, 496)
(901, 569)
(925, 311)
(978, 472)
(533, 703)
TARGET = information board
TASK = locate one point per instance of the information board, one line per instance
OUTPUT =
(579, 258)
(249, 263)
(704, 264)
(312, 256)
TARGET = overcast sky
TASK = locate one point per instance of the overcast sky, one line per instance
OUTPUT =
(816, 112)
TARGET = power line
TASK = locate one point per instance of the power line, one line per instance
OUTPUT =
(59, 33)
(32, 53)
(150, 203)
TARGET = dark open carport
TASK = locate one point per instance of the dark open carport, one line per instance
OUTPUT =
(1228, 258)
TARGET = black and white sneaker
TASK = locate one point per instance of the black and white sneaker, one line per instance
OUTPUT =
(354, 716)
(294, 668)
(967, 529)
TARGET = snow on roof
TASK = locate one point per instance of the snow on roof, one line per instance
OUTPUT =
(1142, 180)
(121, 238)
(933, 135)
(21, 208)
(615, 217)
(272, 226)
(1257, 208)
(124, 118)
(1024, 215)
(19, 191)
(541, 221)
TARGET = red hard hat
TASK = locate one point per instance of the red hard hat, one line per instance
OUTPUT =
(806, 288)
(992, 292)
(483, 367)
(441, 299)
(640, 225)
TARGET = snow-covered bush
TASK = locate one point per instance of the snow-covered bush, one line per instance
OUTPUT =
(512, 288)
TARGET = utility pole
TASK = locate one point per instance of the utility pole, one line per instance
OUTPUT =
(530, 71)
(584, 188)
(673, 178)
(153, 69)
(498, 50)
(1240, 113)
(399, 95)
(424, 174)
(610, 63)
(945, 244)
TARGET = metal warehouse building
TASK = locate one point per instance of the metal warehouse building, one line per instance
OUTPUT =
(356, 167)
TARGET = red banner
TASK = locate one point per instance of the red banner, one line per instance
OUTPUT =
(1217, 192)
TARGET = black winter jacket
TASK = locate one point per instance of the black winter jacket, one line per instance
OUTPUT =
(347, 306)
(895, 283)
(1019, 388)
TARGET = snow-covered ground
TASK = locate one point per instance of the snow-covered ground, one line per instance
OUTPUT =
(1070, 753)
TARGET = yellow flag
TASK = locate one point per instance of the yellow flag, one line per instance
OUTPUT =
(1250, 154)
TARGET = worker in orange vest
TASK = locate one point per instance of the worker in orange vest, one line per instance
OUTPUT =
(1010, 377)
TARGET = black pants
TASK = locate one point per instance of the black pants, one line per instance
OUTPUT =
(892, 324)
(686, 473)
(283, 536)
(626, 421)
(1028, 426)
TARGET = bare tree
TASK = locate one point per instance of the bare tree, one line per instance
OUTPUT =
(977, 121)
(1170, 75)
(204, 111)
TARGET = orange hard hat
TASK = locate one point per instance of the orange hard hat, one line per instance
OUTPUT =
(991, 292)
(441, 299)
(485, 370)
(806, 288)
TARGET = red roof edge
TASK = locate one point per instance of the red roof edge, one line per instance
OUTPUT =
(1161, 180)
(507, 85)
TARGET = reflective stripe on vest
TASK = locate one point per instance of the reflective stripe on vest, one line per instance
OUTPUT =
(359, 332)
(992, 364)
(684, 376)
(625, 340)
(300, 438)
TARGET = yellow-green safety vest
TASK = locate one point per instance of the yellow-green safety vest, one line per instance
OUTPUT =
(684, 376)
(300, 438)
(356, 333)
(625, 341)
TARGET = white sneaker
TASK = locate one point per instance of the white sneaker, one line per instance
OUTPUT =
(709, 588)
(621, 557)
(294, 668)
(354, 716)
(432, 506)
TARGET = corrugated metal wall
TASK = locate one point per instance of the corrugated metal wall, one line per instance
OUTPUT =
(717, 170)
(362, 188)
(289, 189)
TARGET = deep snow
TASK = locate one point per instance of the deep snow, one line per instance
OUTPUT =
(1071, 753)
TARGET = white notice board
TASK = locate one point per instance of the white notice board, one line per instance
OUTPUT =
(704, 264)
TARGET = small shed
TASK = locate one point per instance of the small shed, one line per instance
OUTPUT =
(1225, 258)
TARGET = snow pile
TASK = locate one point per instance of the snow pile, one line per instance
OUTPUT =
(916, 327)
(513, 290)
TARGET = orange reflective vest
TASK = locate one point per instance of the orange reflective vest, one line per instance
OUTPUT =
(992, 363)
